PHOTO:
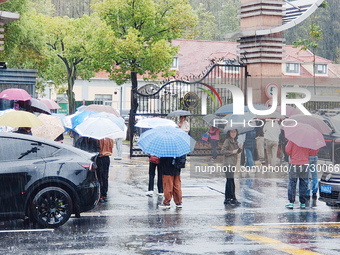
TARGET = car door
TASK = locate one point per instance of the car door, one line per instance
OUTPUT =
(20, 165)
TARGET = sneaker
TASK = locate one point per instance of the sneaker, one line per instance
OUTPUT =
(163, 206)
(302, 206)
(227, 202)
(149, 193)
(117, 158)
(161, 194)
(290, 206)
(179, 205)
(235, 202)
(212, 160)
(103, 200)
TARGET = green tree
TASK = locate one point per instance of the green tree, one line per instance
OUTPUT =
(206, 27)
(24, 38)
(223, 13)
(312, 43)
(61, 49)
(72, 50)
(329, 23)
(143, 31)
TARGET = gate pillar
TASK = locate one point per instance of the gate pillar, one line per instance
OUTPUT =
(263, 52)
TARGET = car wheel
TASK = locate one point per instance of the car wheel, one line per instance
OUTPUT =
(51, 207)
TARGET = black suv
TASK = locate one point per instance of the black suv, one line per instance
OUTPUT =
(329, 185)
(44, 181)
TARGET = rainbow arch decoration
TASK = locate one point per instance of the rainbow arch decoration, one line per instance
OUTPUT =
(210, 94)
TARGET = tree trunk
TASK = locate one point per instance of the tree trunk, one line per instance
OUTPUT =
(70, 83)
(134, 106)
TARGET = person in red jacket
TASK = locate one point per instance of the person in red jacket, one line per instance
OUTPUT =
(298, 169)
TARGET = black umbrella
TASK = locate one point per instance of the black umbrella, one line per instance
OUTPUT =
(38, 106)
(34, 105)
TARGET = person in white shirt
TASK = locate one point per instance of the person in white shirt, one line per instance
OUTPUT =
(184, 124)
(271, 132)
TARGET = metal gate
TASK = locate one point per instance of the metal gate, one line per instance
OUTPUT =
(201, 95)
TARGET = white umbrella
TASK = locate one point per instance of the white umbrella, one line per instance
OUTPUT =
(155, 122)
(99, 128)
(117, 120)
(6, 128)
(179, 113)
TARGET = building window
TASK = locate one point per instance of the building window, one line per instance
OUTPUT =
(102, 98)
(174, 64)
(292, 68)
(321, 69)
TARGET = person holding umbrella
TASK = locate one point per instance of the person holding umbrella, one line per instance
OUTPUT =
(184, 124)
(170, 144)
(230, 149)
(103, 164)
(298, 169)
(171, 182)
(303, 141)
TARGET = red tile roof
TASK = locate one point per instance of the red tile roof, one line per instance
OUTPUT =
(194, 56)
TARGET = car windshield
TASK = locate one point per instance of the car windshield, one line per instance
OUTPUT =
(336, 123)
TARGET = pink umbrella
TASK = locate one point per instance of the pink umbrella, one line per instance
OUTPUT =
(15, 94)
(305, 136)
(290, 110)
(100, 108)
(314, 120)
(50, 103)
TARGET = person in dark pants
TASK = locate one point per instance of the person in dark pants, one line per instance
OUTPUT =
(103, 164)
(171, 182)
(298, 169)
(230, 149)
(153, 164)
(249, 147)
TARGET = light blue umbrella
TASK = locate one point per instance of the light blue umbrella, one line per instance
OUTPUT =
(79, 118)
(166, 142)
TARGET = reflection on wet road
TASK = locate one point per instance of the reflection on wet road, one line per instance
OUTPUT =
(131, 223)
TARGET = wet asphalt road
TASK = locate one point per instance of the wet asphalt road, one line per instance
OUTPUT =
(131, 223)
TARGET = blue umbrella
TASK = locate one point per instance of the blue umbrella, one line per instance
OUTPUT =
(166, 142)
(79, 118)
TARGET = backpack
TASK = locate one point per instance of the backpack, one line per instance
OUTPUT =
(180, 162)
